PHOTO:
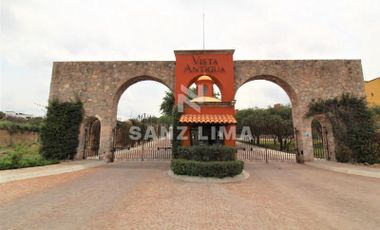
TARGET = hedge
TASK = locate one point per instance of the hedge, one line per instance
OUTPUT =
(59, 134)
(207, 153)
(217, 169)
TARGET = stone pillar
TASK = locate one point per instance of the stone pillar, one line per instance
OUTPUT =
(106, 139)
(307, 140)
(330, 144)
(302, 126)
(82, 138)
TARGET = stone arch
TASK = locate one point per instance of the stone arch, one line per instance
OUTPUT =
(91, 128)
(327, 135)
(123, 87)
(276, 80)
(295, 103)
(109, 124)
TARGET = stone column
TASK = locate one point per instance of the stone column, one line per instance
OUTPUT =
(80, 149)
(307, 139)
(330, 145)
(106, 139)
(302, 126)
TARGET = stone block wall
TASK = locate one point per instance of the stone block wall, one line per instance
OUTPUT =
(25, 137)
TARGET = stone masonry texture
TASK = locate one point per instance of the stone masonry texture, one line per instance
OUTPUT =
(99, 85)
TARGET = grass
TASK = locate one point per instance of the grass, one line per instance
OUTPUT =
(21, 156)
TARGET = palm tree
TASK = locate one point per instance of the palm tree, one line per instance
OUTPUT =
(167, 104)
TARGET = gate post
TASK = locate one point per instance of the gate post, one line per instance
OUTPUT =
(106, 136)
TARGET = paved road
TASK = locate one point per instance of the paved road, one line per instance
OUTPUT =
(140, 195)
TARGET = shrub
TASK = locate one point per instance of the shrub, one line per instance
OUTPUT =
(16, 160)
(343, 153)
(207, 153)
(217, 169)
(353, 127)
(59, 134)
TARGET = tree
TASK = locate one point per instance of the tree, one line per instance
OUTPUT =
(255, 120)
(272, 121)
(167, 104)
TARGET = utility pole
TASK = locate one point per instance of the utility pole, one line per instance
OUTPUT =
(203, 31)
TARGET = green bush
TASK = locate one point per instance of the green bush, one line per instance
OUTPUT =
(217, 169)
(59, 134)
(353, 128)
(207, 153)
(343, 153)
(16, 160)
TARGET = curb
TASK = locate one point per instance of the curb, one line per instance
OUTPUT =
(197, 179)
(357, 172)
(40, 171)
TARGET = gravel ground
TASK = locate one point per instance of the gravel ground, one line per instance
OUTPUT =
(140, 195)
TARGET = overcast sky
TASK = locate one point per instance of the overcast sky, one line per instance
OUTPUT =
(36, 33)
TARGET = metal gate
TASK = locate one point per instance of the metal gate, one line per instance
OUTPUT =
(320, 143)
(92, 139)
(256, 153)
(153, 144)
(267, 149)
(156, 149)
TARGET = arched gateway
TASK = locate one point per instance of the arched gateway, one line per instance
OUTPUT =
(99, 86)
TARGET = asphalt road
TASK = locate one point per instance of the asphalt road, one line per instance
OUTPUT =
(140, 195)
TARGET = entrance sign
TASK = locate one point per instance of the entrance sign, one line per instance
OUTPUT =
(202, 65)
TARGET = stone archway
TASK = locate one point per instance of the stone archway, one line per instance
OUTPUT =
(99, 85)
(92, 128)
(327, 136)
(304, 81)
(108, 135)
(290, 92)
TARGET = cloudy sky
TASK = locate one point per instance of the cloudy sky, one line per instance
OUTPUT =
(34, 33)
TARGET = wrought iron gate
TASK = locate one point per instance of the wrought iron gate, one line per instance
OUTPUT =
(320, 142)
(267, 148)
(92, 139)
(156, 149)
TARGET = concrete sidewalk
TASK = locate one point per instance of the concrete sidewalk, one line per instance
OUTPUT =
(32, 172)
(345, 168)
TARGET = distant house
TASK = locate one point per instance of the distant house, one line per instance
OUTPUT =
(17, 115)
(372, 91)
